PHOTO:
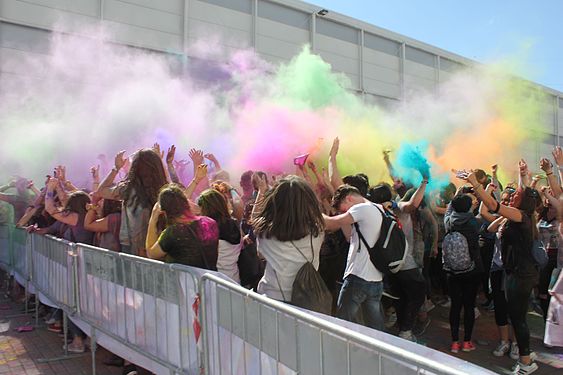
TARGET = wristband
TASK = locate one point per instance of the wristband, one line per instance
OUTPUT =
(549, 174)
(424, 182)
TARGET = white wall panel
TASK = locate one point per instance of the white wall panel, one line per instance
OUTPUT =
(382, 74)
(278, 48)
(136, 15)
(381, 88)
(336, 46)
(170, 6)
(19, 62)
(200, 31)
(283, 32)
(84, 7)
(419, 70)
(43, 16)
(143, 37)
(382, 59)
(221, 16)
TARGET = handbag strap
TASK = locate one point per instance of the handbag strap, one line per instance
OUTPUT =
(303, 255)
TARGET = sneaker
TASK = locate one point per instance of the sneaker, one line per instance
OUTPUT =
(55, 327)
(389, 294)
(51, 321)
(455, 347)
(407, 335)
(427, 306)
(477, 313)
(73, 348)
(468, 346)
(129, 370)
(501, 349)
(447, 304)
(522, 369)
(420, 327)
(514, 353)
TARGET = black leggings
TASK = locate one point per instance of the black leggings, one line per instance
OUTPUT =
(463, 291)
(487, 248)
(545, 278)
(499, 299)
(518, 290)
(409, 285)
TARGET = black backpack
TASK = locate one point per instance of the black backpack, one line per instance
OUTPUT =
(390, 250)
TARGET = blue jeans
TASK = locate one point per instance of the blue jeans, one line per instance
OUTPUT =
(357, 292)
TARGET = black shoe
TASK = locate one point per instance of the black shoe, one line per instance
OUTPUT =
(114, 360)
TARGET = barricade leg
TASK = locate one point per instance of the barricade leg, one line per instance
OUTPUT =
(93, 349)
(66, 355)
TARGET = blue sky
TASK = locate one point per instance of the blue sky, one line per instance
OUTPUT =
(524, 31)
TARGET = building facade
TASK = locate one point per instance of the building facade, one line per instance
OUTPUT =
(383, 67)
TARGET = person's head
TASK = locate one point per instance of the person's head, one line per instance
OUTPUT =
(506, 195)
(213, 205)
(400, 187)
(462, 203)
(359, 181)
(345, 197)
(290, 211)
(21, 185)
(474, 202)
(145, 178)
(447, 193)
(110, 206)
(173, 202)
(77, 202)
(380, 193)
(526, 200)
(254, 179)
(246, 182)
(481, 176)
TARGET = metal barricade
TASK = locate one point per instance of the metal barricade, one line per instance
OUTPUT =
(53, 273)
(247, 333)
(144, 305)
(6, 247)
(21, 247)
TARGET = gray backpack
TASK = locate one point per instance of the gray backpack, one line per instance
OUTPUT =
(455, 254)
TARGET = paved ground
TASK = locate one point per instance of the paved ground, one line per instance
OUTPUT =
(20, 352)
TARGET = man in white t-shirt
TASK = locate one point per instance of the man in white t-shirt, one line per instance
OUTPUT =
(363, 284)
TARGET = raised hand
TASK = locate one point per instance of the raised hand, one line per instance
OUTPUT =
(312, 166)
(170, 155)
(196, 156)
(523, 167)
(156, 148)
(120, 160)
(545, 165)
(494, 169)
(334, 148)
(558, 155)
(95, 171)
(200, 172)
(52, 183)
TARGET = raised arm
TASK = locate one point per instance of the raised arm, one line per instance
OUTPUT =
(510, 213)
(333, 172)
(214, 160)
(91, 221)
(388, 164)
(200, 174)
(494, 226)
(483, 210)
(154, 251)
(262, 183)
(552, 180)
(50, 207)
(558, 157)
(524, 175)
(104, 190)
(412, 204)
(170, 164)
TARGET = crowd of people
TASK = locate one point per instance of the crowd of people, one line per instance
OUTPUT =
(458, 242)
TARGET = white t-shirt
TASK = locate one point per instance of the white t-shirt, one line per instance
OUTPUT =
(227, 259)
(283, 261)
(369, 220)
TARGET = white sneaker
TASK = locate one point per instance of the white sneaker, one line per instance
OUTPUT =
(427, 306)
(522, 369)
(514, 352)
(501, 349)
(447, 303)
(477, 313)
(407, 335)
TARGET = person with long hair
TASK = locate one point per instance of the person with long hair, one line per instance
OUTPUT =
(522, 273)
(214, 205)
(187, 239)
(289, 230)
(139, 193)
(105, 220)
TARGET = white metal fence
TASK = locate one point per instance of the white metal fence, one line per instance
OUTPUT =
(150, 313)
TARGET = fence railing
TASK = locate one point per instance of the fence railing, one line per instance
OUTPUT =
(150, 313)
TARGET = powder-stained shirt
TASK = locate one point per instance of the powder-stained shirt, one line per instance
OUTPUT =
(192, 244)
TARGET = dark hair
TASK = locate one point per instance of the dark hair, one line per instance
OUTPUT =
(173, 202)
(530, 201)
(214, 205)
(146, 177)
(110, 206)
(480, 174)
(448, 191)
(289, 211)
(381, 193)
(77, 202)
(246, 177)
(359, 181)
(462, 203)
(341, 193)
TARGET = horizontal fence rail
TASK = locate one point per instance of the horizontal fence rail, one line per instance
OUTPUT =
(174, 319)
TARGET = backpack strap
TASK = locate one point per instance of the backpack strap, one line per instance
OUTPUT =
(362, 239)
(303, 255)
